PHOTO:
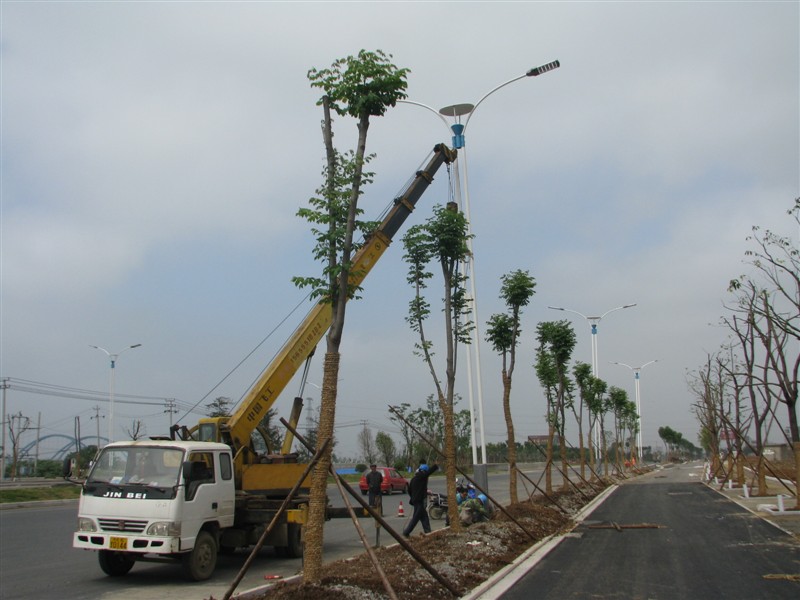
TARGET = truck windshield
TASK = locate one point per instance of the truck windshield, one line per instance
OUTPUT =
(159, 467)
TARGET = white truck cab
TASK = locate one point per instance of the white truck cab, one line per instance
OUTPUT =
(145, 500)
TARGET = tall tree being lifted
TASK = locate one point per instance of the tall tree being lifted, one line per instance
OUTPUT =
(502, 332)
(361, 87)
(443, 238)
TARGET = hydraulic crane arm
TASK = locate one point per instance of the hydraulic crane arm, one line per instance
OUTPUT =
(305, 338)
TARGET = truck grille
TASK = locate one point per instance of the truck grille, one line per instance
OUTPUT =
(122, 525)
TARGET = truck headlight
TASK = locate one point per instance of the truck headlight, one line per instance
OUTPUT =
(165, 529)
(85, 524)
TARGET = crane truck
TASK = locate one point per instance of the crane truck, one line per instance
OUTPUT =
(215, 487)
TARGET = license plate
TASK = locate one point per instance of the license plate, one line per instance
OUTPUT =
(118, 543)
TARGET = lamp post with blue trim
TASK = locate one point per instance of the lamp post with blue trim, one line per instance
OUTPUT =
(593, 321)
(459, 130)
(636, 372)
(113, 359)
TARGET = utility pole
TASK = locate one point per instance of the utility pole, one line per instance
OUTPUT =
(97, 416)
(38, 438)
(171, 409)
(4, 384)
(24, 424)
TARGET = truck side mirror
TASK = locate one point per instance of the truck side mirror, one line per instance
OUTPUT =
(66, 467)
(186, 469)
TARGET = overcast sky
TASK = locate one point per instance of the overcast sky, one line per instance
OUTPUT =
(154, 156)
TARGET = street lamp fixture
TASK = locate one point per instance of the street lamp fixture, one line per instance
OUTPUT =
(636, 371)
(113, 359)
(458, 129)
(593, 321)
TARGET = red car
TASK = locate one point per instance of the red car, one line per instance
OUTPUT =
(392, 481)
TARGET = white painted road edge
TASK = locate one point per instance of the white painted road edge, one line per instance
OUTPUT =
(505, 579)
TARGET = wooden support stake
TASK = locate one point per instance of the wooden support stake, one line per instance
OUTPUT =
(284, 505)
(467, 477)
(398, 537)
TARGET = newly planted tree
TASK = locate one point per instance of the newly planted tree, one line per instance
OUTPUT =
(583, 379)
(361, 87)
(441, 239)
(502, 332)
(556, 342)
(618, 399)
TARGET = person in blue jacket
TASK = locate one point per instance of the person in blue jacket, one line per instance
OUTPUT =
(417, 497)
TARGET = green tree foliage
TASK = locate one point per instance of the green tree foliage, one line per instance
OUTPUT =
(556, 342)
(386, 448)
(503, 330)
(624, 412)
(360, 87)
(220, 407)
(585, 382)
(441, 239)
(406, 432)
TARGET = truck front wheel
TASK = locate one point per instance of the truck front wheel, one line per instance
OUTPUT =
(115, 564)
(200, 563)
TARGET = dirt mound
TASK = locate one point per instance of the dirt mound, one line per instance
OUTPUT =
(465, 559)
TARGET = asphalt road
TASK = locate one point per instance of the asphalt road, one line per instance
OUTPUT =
(705, 546)
(37, 559)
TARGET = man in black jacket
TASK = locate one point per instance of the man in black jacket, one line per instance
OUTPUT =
(418, 495)
(374, 480)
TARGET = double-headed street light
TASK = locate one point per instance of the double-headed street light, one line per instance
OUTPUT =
(113, 358)
(593, 321)
(636, 371)
(458, 130)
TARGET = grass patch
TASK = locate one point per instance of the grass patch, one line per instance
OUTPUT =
(58, 492)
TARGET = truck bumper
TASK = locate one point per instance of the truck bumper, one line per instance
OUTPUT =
(96, 540)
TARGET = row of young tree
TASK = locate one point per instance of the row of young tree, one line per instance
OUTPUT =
(678, 447)
(746, 392)
(363, 87)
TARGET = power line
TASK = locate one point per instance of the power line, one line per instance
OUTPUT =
(60, 391)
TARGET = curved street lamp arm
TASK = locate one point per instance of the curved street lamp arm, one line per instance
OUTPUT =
(531, 73)
(433, 110)
(485, 96)
(634, 368)
(129, 348)
(617, 308)
(569, 310)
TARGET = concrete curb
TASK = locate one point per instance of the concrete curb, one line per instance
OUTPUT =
(790, 526)
(505, 579)
(37, 503)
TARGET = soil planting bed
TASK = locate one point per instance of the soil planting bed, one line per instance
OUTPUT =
(465, 559)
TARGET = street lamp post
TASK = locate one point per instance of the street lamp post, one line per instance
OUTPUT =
(636, 371)
(113, 359)
(593, 321)
(458, 130)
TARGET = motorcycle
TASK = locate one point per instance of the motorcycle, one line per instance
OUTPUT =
(437, 505)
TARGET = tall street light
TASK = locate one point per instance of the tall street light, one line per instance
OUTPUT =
(113, 358)
(636, 371)
(593, 321)
(459, 130)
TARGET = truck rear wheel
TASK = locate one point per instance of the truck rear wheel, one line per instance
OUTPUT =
(294, 547)
(115, 564)
(200, 563)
